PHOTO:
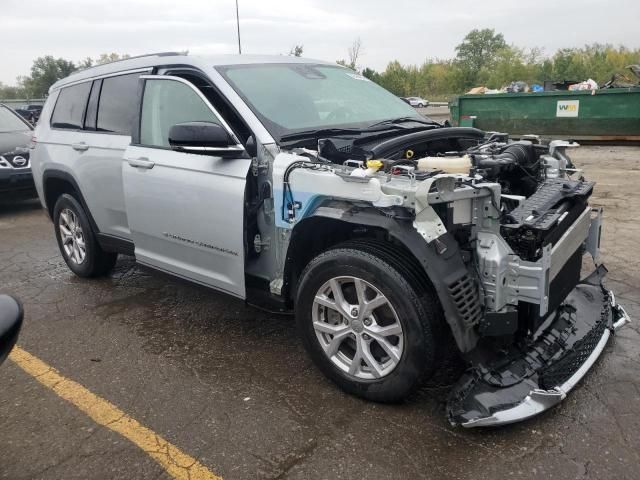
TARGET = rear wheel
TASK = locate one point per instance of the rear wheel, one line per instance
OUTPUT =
(366, 326)
(77, 242)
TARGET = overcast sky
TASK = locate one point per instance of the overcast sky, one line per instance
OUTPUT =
(407, 30)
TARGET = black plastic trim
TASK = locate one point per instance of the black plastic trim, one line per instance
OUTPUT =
(443, 270)
(91, 112)
(258, 295)
(384, 149)
(60, 175)
(111, 243)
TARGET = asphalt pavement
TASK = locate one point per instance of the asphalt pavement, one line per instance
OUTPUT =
(232, 387)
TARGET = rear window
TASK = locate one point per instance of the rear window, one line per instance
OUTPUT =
(118, 104)
(70, 106)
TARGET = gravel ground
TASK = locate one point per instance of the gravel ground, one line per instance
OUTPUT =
(232, 386)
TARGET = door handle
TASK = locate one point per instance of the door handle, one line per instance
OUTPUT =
(142, 162)
(81, 147)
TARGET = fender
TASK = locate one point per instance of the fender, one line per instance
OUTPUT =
(440, 259)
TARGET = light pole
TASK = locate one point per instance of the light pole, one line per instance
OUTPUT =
(238, 23)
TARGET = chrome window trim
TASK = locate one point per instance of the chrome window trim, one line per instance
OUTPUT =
(233, 148)
(99, 77)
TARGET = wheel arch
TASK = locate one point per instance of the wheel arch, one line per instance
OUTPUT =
(56, 183)
(305, 243)
(443, 267)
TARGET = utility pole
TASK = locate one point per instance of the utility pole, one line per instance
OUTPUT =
(238, 22)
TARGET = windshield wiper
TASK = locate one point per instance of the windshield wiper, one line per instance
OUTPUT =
(382, 126)
(396, 121)
(322, 132)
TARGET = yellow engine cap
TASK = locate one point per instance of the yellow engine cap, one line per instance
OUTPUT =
(376, 164)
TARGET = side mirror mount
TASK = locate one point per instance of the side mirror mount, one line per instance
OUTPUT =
(11, 315)
(252, 148)
(204, 138)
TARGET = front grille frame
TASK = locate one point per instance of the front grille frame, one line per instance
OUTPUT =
(8, 160)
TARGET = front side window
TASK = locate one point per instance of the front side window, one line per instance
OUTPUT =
(166, 103)
(298, 97)
(10, 122)
(117, 107)
(70, 106)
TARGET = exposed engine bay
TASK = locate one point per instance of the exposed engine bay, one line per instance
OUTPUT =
(507, 224)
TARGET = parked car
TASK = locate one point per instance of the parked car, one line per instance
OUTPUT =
(394, 239)
(16, 180)
(418, 102)
(10, 323)
(35, 110)
(31, 113)
(27, 115)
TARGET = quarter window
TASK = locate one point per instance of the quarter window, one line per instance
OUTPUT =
(70, 106)
(118, 106)
(166, 103)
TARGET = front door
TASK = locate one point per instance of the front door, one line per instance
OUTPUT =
(185, 210)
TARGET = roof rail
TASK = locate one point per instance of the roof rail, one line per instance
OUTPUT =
(158, 54)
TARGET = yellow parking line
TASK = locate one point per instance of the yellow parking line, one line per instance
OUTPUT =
(177, 463)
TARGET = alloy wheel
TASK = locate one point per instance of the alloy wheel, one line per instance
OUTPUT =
(357, 327)
(72, 236)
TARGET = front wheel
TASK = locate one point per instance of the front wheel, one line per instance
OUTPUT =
(366, 326)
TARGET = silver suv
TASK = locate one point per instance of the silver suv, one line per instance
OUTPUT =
(301, 185)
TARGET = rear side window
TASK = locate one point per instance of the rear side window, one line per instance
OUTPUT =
(118, 104)
(10, 122)
(70, 106)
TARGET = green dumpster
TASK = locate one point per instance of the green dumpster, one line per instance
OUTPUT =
(608, 114)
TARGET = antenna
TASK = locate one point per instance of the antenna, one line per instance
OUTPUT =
(238, 22)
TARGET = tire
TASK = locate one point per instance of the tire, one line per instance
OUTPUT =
(411, 304)
(421, 105)
(70, 217)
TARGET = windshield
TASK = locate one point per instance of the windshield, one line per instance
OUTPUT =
(9, 122)
(291, 98)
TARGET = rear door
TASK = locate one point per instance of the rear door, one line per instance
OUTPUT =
(90, 128)
(185, 210)
(109, 121)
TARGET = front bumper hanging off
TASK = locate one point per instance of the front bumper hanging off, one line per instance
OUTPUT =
(533, 379)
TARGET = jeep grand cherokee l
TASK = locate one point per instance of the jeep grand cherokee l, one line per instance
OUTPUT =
(301, 186)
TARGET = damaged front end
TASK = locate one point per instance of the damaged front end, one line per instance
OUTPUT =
(506, 235)
(527, 379)
(544, 323)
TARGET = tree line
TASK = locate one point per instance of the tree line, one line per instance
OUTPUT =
(46, 71)
(483, 58)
